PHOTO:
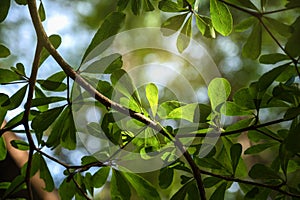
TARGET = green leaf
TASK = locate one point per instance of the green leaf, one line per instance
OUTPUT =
(148, 5)
(243, 98)
(252, 47)
(16, 185)
(186, 112)
(291, 113)
(205, 26)
(45, 101)
(273, 58)
(218, 91)
(55, 40)
(143, 188)
(20, 144)
(122, 4)
(209, 182)
(68, 133)
(279, 27)
(3, 150)
(42, 121)
(119, 188)
(244, 3)
(245, 24)
(219, 193)
(268, 78)
(16, 99)
(21, 2)
(166, 107)
(259, 148)
(182, 192)
(165, 177)
(124, 84)
(185, 35)
(170, 6)
(292, 4)
(292, 46)
(232, 109)
(8, 76)
(67, 190)
(152, 97)
(4, 51)
(136, 7)
(54, 82)
(42, 12)
(209, 163)
(221, 17)
(110, 27)
(4, 8)
(45, 174)
(106, 65)
(100, 177)
(173, 24)
(235, 154)
(292, 140)
(260, 171)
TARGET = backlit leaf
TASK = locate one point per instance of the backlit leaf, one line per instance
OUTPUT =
(218, 91)
(152, 97)
(8, 76)
(221, 17)
(184, 112)
(173, 24)
(185, 35)
(170, 6)
(245, 24)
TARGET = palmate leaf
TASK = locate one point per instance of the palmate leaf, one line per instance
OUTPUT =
(221, 17)
(205, 26)
(100, 177)
(273, 58)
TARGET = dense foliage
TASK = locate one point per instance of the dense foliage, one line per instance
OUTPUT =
(136, 117)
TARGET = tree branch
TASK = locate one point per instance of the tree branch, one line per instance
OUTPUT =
(100, 97)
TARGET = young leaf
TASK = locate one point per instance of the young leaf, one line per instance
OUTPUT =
(16, 99)
(100, 177)
(165, 177)
(42, 12)
(4, 51)
(219, 193)
(4, 8)
(173, 24)
(273, 58)
(260, 171)
(185, 35)
(152, 97)
(119, 188)
(109, 27)
(55, 40)
(3, 150)
(221, 17)
(144, 189)
(20, 144)
(186, 112)
(218, 91)
(259, 148)
(252, 47)
(235, 154)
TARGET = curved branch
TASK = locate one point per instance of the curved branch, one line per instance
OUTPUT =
(42, 36)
